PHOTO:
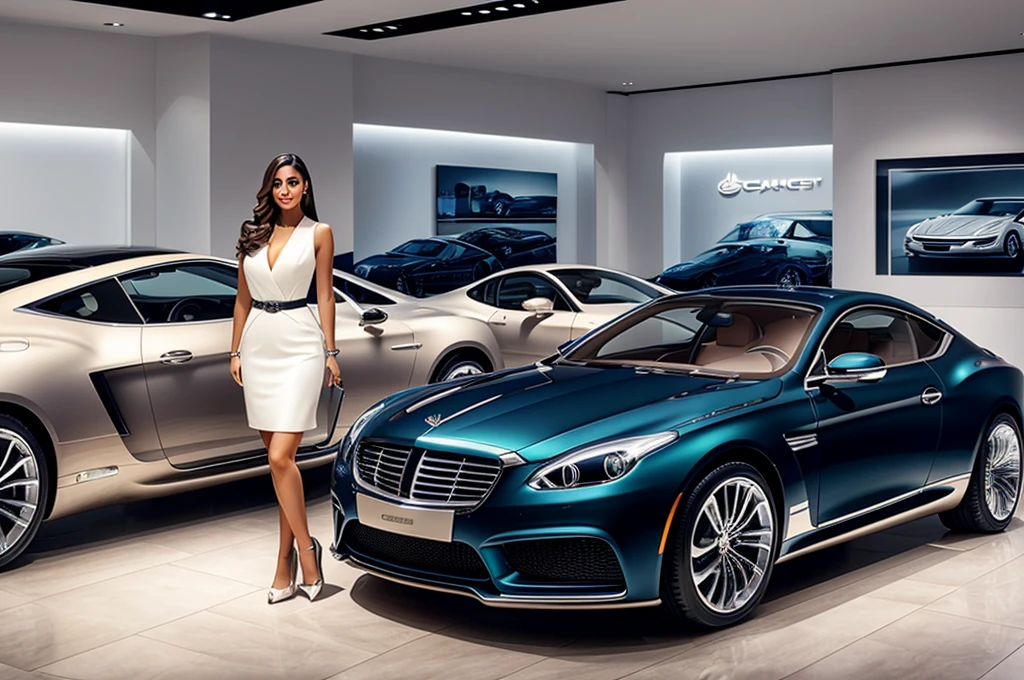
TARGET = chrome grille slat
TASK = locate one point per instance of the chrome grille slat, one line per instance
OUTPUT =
(439, 479)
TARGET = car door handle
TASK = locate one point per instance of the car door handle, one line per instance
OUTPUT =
(930, 396)
(411, 345)
(498, 322)
(178, 356)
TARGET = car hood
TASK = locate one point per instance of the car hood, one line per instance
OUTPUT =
(544, 412)
(958, 225)
(689, 269)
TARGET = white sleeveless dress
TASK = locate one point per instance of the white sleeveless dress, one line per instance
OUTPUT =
(283, 364)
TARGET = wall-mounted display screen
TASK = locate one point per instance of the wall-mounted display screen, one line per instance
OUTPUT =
(952, 215)
(746, 217)
(472, 197)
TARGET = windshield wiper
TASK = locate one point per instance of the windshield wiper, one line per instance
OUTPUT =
(712, 373)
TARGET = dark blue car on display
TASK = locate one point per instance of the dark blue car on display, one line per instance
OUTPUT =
(428, 266)
(514, 247)
(788, 249)
(14, 241)
(674, 455)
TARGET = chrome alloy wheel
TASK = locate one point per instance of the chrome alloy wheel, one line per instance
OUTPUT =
(19, 489)
(1002, 471)
(790, 278)
(731, 544)
(463, 370)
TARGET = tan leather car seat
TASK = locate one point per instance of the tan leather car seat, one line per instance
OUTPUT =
(785, 333)
(731, 341)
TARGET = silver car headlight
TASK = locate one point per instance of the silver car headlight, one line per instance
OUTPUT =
(351, 440)
(598, 464)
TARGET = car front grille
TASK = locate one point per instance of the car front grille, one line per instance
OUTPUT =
(580, 560)
(431, 478)
(944, 243)
(419, 554)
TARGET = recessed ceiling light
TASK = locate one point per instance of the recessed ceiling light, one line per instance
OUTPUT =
(519, 5)
(115, 24)
(391, 28)
(364, 30)
(378, 30)
(226, 16)
(628, 84)
(485, 11)
(211, 15)
(501, 9)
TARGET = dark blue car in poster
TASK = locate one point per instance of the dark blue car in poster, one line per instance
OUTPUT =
(787, 249)
(674, 455)
(513, 247)
(428, 266)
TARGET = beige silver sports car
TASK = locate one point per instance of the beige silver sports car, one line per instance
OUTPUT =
(534, 309)
(114, 381)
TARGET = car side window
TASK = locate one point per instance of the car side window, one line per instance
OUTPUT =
(486, 292)
(361, 295)
(103, 302)
(516, 289)
(895, 337)
(184, 293)
(800, 231)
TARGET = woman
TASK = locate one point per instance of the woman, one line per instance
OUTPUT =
(279, 351)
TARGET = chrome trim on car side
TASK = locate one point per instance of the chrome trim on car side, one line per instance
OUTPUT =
(948, 502)
(799, 442)
(431, 399)
(612, 601)
(799, 521)
(411, 345)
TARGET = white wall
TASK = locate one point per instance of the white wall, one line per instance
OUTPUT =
(253, 120)
(405, 94)
(81, 78)
(772, 114)
(63, 173)
(183, 143)
(396, 199)
(961, 107)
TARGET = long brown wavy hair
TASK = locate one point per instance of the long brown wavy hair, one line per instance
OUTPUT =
(265, 216)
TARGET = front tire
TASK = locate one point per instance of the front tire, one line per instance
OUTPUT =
(24, 490)
(459, 366)
(1013, 248)
(790, 277)
(994, 490)
(723, 548)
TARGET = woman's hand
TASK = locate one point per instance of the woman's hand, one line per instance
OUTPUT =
(236, 370)
(332, 367)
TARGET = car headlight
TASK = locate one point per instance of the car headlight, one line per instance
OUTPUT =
(598, 464)
(348, 445)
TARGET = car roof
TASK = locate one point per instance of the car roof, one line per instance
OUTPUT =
(23, 233)
(1001, 198)
(794, 214)
(813, 295)
(81, 256)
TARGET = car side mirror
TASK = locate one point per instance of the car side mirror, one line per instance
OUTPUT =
(854, 367)
(540, 306)
(372, 317)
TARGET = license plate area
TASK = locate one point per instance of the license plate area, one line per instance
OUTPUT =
(434, 525)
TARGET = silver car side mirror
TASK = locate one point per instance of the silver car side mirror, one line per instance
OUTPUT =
(540, 306)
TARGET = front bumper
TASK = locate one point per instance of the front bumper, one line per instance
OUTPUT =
(594, 547)
(973, 246)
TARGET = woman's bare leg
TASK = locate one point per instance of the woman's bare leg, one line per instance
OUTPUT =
(290, 496)
(283, 575)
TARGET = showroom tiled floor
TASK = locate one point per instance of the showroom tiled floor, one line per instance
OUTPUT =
(175, 588)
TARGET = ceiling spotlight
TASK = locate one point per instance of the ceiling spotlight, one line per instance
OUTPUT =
(226, 16)
(467, 14)
(391, 28)
(628, 84)
(485, 11)
(519, 5)
(211, 15)
(115, 24)
(501, 9)
(378, 30)
(364, 30)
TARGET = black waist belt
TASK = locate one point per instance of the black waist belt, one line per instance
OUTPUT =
(275, 306)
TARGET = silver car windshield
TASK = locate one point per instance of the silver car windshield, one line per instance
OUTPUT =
(749, 339)
(993, 208)
(596, 287)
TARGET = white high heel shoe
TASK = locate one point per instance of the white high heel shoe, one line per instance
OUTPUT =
(313, 589)
(276, 595)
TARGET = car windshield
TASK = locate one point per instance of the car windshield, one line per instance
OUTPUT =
(719, 253)
(1010, 208)
(14, 275)
(595, 287)
(765, 228)
(423, 248)
(739, 338)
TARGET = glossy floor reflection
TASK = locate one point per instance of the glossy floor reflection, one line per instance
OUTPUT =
(176, 588)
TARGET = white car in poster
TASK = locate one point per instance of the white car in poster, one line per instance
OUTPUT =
(534, 309)
(985, 227)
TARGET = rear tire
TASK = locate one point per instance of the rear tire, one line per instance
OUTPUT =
(24, 493)
(994, 489)
(722, 548)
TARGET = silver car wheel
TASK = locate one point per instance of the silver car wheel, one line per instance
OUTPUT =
(790, 278)
(731, 545)
(1013, 246)
(462, 370)
(1002, 471)
(19, 489)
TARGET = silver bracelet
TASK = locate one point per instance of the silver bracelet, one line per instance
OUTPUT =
(332, 352)
(235, 354)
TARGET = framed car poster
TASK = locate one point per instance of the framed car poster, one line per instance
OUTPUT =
(951, 215)
(469, 197)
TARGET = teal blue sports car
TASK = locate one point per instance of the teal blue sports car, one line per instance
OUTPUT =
(675, 454)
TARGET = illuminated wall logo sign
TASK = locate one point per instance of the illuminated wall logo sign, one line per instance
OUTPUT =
(732, 184)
